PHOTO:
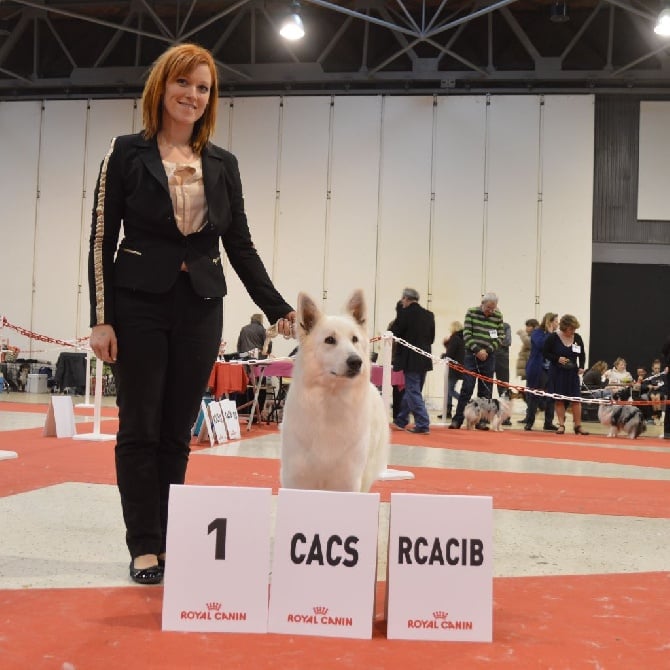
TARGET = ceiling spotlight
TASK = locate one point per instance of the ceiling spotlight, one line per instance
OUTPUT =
(291, 27)
(559, 12)
(662, 26)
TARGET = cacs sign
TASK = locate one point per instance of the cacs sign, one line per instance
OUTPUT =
(324, 564)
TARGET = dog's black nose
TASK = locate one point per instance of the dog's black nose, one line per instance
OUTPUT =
(354, 363)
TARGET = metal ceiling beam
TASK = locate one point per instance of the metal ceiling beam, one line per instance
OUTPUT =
(88, 19)
(363, 17)
(578, 35)
(229, 10)
(470, 17)
(520, 34)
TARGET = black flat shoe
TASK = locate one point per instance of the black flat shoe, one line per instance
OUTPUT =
(152, 575)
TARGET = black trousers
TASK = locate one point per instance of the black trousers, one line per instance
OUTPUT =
(167, 345)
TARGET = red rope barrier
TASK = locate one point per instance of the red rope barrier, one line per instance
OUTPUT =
(40, 338)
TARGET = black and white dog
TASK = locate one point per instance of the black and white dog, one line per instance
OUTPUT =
(622, 418)
(483, 409)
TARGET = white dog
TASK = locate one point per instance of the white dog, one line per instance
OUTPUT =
(483, 409)
(622, 418)
(335, 432)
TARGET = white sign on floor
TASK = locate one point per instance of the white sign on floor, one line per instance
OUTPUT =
(218, 422)
(60, 417)
(231, 419)
(440, 568)
(218, 559)
(324, 564)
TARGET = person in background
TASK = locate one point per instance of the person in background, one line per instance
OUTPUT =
(567, 356)
(594, 381)
(455, 352)
(537, 374)
(157, 301)
(415, 325)
(482, 334)
(665, 350)
(618, 377)
(252, 336)
(654, 388)
(522, 359)
(398, 391)
(524, 335)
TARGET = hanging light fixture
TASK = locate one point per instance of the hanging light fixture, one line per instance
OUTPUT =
(662, 26)
(292, 27)
(558, 12)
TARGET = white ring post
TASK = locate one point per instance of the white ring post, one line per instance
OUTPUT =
(96, 434)
(387, 388)
(444, 421)
(87, 398)
(387, 394)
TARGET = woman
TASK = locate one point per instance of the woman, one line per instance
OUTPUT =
(618, 376)
(524, 353)
(455, 352)
(565, 351)
(665, 350)
(594, 381)
(156, 303)
(537, 373)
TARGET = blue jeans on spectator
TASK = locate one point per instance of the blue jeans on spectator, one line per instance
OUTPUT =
(452, 393)
(413, 402)
(486, 368)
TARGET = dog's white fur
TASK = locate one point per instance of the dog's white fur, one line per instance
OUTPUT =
(335, 432)
(622, 419)
(483, 409)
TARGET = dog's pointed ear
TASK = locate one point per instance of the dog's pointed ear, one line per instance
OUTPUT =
(356, 306)
(308, 314)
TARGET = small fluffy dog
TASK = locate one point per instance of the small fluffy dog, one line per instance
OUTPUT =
(22, 377)
(622, 419)
(335, 432)
(483, 409)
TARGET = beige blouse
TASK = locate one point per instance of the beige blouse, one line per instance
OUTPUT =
(187, 191)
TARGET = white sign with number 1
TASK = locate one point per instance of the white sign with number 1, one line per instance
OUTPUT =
(218, 559)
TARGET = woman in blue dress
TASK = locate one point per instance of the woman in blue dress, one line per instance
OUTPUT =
(564, 350)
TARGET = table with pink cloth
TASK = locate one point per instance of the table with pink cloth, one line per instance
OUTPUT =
(259, 370)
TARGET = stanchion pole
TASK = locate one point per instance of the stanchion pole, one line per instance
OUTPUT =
(387, 393)
(387, 387)
(87, 393)
(96, 434)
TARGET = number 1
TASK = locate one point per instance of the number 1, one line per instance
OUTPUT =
(219, 525)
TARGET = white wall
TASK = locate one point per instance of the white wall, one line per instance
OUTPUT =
(654, 162)
(453, 196)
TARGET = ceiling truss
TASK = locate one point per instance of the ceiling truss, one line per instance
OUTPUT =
(96, 48)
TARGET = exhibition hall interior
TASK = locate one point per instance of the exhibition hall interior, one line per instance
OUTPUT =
(456, 147)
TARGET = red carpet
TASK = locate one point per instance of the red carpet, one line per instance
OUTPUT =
(610, 622)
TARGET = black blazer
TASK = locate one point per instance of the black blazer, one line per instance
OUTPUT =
(416, 325)
(132, 189)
